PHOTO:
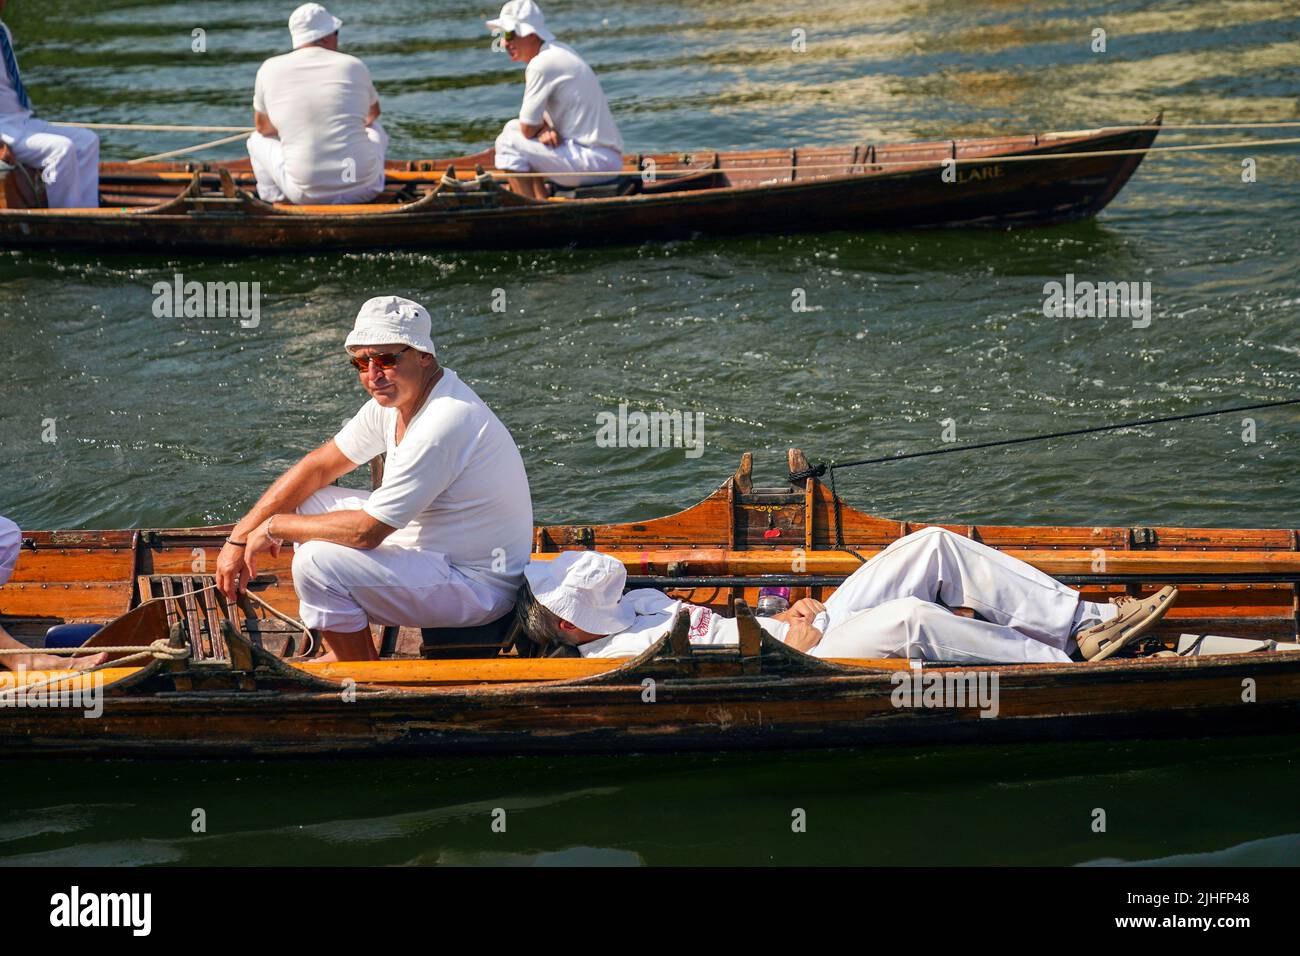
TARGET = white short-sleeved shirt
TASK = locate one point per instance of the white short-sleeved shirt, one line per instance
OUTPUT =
(456, 482)
(654, 617)
(318, 100)
(560, 86)
(9, 105)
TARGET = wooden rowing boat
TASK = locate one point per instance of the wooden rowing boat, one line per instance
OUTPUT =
(230, 692)
(1001, 182)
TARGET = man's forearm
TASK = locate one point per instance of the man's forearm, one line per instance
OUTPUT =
(262, 123)
(353, 529)
(288, 491)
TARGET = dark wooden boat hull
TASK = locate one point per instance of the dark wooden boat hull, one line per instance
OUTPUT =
(1184, 698)
(992, 193)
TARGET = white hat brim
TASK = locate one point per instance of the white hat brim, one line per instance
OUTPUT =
(563, 603)
(358, 339)
(519, 26)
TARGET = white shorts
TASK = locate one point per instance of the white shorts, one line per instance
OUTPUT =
(518, 154)
(344, 589)
(274, 184)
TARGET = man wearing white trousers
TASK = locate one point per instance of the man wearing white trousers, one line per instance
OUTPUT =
(441, 543)
(889, 607)
(564, 124)
(68, 156)
(318, 138)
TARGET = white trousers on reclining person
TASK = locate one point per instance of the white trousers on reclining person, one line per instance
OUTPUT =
(517, 153)
(275, 185)
(888, 607)
(342, 589)
(67, 155)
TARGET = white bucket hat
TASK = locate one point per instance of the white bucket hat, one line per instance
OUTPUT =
(311, 22)
(389, 319)
(583, 588)
(522, 17)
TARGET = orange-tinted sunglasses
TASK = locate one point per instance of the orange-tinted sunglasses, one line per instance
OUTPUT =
(384, 360)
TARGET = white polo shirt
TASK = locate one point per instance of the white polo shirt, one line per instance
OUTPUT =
(456, 481)
(559, 85)
(319, 99)
(655, 612)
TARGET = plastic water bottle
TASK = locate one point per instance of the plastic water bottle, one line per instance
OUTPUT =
(772, 601)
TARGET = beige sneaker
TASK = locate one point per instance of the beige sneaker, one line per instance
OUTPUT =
(1135, 618)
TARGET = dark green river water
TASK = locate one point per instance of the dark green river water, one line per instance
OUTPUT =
(184, 421)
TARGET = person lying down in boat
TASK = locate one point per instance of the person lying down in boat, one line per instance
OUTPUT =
(11, 541)
(889, 607)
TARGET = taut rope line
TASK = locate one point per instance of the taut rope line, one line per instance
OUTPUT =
(844, 168)
(151, 128)
(189, 149)
(824, 468)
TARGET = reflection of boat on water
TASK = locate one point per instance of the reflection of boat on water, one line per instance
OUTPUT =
(224, 687)
(998, 182)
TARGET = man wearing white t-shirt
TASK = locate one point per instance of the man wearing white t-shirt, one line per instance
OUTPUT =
(441, 543)
(68, 156)
(564, 124)
(318, 136)
(889, 607)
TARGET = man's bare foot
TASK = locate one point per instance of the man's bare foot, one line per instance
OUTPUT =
(326, 658)
(54, 662)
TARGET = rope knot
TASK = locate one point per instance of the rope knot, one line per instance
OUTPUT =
(812, 471)
(163, 650)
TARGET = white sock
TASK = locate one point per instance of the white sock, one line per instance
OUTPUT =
(1090, 614)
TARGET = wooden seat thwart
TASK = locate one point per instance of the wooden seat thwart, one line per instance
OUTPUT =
(486, 640)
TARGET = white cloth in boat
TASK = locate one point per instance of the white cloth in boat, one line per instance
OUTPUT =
(318, 101)
(11, 541)
(655, 612)
(888, 608)
(560, 88)
(457, 493)
(68, 156)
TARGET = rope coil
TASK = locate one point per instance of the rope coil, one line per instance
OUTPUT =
(160, 649)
